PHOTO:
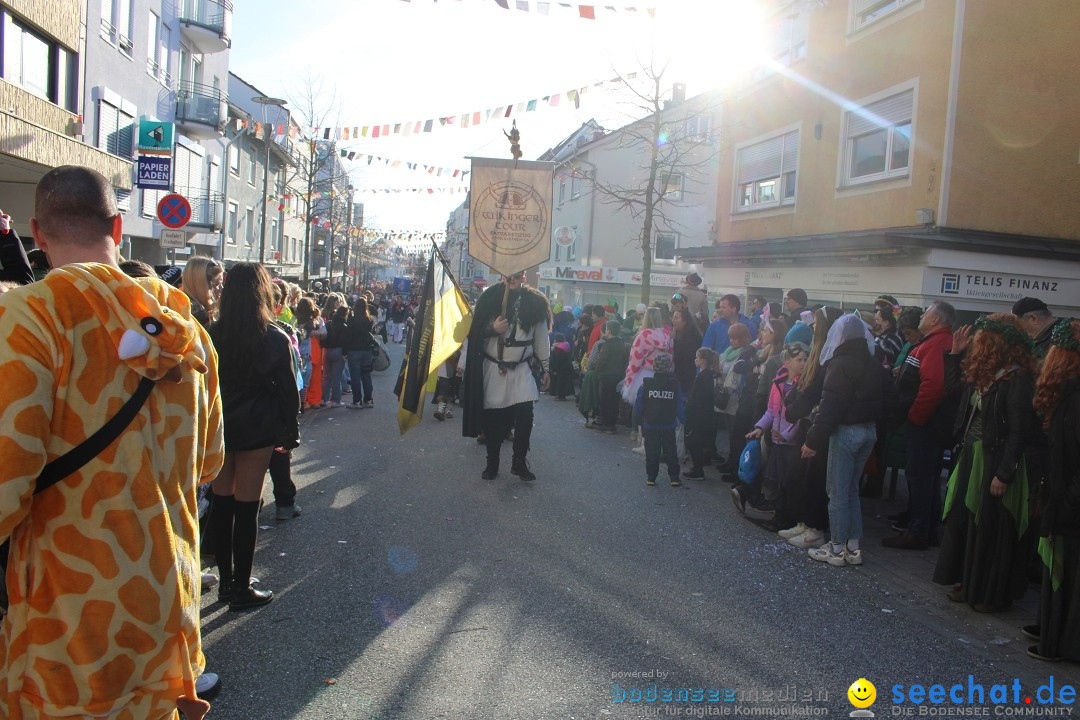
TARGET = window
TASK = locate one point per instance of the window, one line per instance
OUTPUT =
(116, 130)
(664, 248)
(116, 24)
(251, 168)
(766, 172)
(562, 189)
(671, 185)
(867, 11)
(273, 234)
(785, 34)
(234, 160)
(575, 184)
(878, 139)
(150, 200)
(38, 63)
(123, 201)
(698, 128)
(230, 227)
(157, 49)
(249, 231)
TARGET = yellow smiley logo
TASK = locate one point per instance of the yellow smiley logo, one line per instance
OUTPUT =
(862, 693)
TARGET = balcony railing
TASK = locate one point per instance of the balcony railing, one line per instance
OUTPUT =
(205, 206)
(201, 109)
(208, 23)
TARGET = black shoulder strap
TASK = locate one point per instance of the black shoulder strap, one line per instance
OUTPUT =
(71, 461)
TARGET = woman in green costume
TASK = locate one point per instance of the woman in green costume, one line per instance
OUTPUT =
(987, 543)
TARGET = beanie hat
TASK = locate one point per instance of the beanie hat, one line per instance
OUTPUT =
(800, 332)
(662, 363)
(798, 295)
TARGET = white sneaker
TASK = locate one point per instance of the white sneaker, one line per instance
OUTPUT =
(793, 531)
(640, 450)
(825, 554)
(209, 580)
(206, 684)
(810, 538)
(853, 557)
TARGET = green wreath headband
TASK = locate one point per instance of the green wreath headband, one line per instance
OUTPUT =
(1012, 335)
(1063, 337)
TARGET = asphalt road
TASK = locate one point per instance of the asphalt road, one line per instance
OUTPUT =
(411, 588)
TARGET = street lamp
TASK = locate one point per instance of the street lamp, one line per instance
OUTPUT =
(264, 101)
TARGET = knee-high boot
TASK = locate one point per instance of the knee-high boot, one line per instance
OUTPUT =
(221, 529)
(245, 532)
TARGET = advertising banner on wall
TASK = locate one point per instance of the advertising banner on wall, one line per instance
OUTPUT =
(510, 213)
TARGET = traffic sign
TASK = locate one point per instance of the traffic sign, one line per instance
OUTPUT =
(173, 239)
(174, 211)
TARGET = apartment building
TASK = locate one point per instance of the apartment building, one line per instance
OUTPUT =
(41, 102)
(149, 60)
(596, 254)
(924, 148)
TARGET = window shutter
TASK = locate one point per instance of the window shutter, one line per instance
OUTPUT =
(106, 13)
(123, 200)
(862, 6)
(180, 172)
(761, 161)
(791, 151)
(125, 134)
(108, 119)
(883, 113)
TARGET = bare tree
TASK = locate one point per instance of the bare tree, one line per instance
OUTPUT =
(317, 174)
(669, 139)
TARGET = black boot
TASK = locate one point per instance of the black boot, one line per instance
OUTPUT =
(520, 467)
(245, 532)
(221, 528)
(491, 471)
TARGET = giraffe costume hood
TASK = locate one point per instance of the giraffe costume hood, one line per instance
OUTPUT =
(103, 575)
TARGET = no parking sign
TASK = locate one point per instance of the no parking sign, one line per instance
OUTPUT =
(174, 211)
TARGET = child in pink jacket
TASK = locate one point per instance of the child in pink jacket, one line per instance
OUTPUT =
(783, 443)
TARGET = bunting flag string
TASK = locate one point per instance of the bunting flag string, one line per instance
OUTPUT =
(574, 97)
(433, 170)
(584, 12)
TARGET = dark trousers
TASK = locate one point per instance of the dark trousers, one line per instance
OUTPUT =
(923, 473)
(498, 421)
(609, 401)
(657, 442)
(281, 476)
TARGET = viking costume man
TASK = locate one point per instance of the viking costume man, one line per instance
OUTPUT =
(502, 371)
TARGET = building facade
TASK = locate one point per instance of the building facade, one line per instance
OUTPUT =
(148, 60)
(600, 186)
(921, 149)
(45, 47)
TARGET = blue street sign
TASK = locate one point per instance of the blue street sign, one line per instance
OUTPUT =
(155, 172)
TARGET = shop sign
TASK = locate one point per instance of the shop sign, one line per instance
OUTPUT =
(999, 287)
(578, 273)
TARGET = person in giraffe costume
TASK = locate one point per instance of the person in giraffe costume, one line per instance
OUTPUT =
(103, 573)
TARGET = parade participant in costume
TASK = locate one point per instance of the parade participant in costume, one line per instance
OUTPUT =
(1057, 399)
(697, 301)
(103, 574)
(986, 504)
(499, 385)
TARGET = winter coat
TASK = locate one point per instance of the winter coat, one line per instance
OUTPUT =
(774, 421)
(855, 390)
(1009, 423)
(358, 332)
(1062, 514)
(612, 358)
(686, 346)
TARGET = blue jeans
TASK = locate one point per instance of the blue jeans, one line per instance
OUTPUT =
(849, 449)
(360, 364)
(333, 366)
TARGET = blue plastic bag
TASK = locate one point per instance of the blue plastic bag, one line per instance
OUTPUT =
(750, 461)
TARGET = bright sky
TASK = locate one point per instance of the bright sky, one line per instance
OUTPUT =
(387, 61)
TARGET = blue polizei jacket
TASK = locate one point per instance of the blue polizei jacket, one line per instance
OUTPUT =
(660, 402)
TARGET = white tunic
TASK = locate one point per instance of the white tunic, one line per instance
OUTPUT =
(517, 385)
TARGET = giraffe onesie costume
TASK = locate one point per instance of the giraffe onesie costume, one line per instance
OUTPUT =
(103, 575)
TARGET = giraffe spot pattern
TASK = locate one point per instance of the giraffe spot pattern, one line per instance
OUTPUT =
(103, 577)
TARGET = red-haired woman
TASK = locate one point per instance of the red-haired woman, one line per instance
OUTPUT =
(986, 546)
(1057, 399)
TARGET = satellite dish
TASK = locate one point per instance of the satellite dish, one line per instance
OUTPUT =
(565, 236)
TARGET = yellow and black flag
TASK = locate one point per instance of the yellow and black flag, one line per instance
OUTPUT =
(442, 324)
